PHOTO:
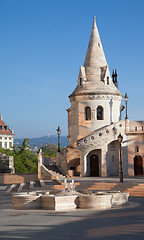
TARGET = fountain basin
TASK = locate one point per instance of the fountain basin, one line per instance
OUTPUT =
(96, 201)
(119, 198)
(59, 203)
(67, 200)
(26, 201)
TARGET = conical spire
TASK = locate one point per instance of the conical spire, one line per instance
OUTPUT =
(95, 57)
(95, 74)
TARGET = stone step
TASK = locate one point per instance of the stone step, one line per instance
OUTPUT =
(56, 174)
(11, 188)
(135, 189)
(21, 186)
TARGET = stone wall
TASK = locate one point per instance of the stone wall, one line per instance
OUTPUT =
(134, 142)
(7, 178)
(70, 158)
(79, 127)
(45, 175)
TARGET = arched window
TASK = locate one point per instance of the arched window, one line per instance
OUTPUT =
(87, 113)
(99, 113)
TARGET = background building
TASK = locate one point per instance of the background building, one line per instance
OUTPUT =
(6, 135)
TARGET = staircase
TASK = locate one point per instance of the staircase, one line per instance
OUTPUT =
(133, 187)
(51, 172)
(55, 172)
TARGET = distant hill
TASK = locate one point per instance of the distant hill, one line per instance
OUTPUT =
(41, 141)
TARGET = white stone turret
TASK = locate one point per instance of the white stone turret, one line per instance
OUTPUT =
(96, 100)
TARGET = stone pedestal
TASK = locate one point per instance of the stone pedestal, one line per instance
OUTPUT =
(59, 203)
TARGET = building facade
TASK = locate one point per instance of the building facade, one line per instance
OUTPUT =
(94, 122)
(6, 135)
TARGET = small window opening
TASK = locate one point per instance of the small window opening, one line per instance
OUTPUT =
(80, 81)
(99, 113)
(135, 128)
(98, 44)
(87, 113)
(137, 149)
(112, 158)
(107, 80)
(142, 128)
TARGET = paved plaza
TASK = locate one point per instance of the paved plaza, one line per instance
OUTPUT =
(121, 223)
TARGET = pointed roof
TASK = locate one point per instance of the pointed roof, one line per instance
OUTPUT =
(95, 70)
(95, 55)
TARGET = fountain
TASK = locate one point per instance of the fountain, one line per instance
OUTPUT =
(69, 199)
(65, 200)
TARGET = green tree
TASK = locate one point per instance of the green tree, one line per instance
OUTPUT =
(25, 161)
(49, 150)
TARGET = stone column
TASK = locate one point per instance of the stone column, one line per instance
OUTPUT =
(111, 116)
(127, 125)
(104, 162)
(83, 163)
(40, 162)
(58, 158)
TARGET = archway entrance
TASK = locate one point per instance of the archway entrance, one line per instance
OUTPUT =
(74, 165)
(94, 165)
(138, 165)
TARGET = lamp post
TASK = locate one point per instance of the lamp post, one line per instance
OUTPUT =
(120, 138)
(126, 100)
(58, 133)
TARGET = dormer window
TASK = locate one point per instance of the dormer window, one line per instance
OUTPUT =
(107, 80)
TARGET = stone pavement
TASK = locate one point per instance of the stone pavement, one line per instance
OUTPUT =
(123, 223)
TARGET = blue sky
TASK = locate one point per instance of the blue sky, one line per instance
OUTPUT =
(42, 45)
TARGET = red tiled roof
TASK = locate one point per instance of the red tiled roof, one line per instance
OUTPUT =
(8, 132)
(2, 123)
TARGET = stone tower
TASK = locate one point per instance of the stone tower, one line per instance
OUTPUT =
(96, 101)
